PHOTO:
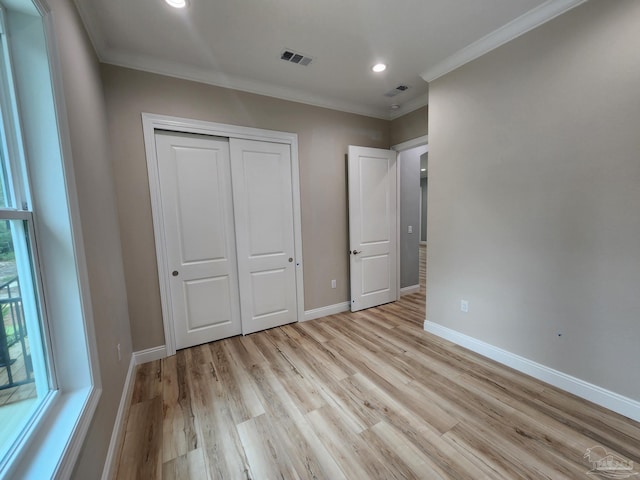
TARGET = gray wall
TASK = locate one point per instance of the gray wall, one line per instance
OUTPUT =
(412, 125)
(85, 107)
(323, 139)
(409, 161)
(534, 201)
(424, 182)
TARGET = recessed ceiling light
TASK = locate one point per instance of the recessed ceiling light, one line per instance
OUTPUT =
(379, 67)
(395, 106)
(177, 3)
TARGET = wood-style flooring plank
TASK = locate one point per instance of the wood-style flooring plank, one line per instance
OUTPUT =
(148, 383)
(298, 386)
(250, 400)
(189, 465)
(178, 429)
(141, 455)
(264, 450)
(224, 455)
(295, 440)
(350, 451)
(234, 394)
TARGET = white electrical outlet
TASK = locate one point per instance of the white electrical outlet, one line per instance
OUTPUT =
(410, 228)
(464, 306)
(333, 284)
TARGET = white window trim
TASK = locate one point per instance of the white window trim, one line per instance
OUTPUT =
(53, 442)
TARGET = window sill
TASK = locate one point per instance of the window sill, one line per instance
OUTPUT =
(55, 441)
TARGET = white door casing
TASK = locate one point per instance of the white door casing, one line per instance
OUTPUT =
(263, 208)
(195, 184)
(372, 226)
(399, 148)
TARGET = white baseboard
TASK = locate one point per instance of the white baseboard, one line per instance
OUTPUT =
(150, 354)
(409, 290)
(137, 358)
(111, 463)
(600, 396)
(326, 311)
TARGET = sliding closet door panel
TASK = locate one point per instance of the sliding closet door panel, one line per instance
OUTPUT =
(197, 207)
(263, 208)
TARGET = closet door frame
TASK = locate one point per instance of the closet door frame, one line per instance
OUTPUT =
(152, 123)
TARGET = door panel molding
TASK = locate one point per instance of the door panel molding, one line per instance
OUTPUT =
(152, 123)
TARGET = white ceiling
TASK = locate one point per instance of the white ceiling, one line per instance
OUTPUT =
(237, 43)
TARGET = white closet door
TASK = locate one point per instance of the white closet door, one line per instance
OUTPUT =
(263, 208)
(197, 212)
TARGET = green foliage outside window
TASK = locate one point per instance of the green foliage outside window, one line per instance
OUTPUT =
(6, 242)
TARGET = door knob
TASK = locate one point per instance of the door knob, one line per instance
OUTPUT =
(355, 252)
(174, 273)
(290, 259)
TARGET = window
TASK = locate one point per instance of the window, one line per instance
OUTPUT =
(25, 374)
(25, 379)
(47, 374)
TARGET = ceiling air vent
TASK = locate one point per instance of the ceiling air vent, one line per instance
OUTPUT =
(396, 91)
(295, 57)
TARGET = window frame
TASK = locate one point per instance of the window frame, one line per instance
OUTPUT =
(51, 443)
(10, 130)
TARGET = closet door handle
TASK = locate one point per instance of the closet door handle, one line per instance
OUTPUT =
(290, 259)
(175, 273)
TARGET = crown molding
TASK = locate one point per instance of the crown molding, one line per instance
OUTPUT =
(92, 27)
(519, 26)
(185, 72)
(413, 143)
(176, 70)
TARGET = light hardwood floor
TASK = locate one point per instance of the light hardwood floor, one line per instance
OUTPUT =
(357, 396)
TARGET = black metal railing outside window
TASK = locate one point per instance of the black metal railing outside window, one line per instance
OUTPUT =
(15, 357)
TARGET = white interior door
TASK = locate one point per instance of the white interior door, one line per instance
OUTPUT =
(372, 227)
(263, 208)
(197, 213)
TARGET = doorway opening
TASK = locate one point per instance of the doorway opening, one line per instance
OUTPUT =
(412, 213)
